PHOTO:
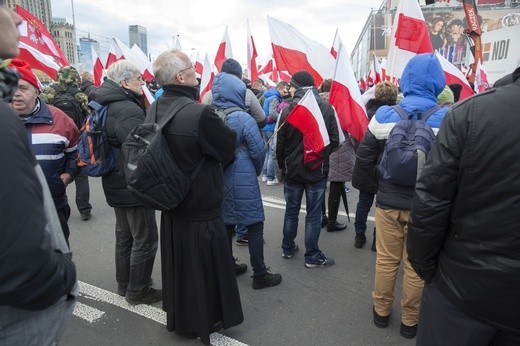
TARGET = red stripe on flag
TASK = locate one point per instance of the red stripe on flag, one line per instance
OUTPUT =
(293, 61)
(352, 117)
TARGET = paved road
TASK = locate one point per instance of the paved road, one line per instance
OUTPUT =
(330, 306)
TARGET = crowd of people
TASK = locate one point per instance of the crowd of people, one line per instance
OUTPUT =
(453, 230)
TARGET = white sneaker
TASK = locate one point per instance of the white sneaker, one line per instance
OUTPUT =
(272, 182)
(264, 178)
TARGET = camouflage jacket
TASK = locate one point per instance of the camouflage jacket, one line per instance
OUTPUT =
(49, 93)
(67, 77)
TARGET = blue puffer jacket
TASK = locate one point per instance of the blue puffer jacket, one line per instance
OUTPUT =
(268, 96)
(242, 199)
(422, 80)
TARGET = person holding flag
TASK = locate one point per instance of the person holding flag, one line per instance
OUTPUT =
(307, 134)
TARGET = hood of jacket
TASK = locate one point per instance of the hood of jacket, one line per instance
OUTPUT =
(423, 76)
(109, 92)
(272, 92)
(228, 91)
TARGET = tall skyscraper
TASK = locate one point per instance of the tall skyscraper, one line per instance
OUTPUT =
(65, 37)
(86, 45)
(139, 37)
(41, 9)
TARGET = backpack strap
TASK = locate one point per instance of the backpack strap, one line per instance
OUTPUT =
(429, 112)
(175, 107)
(400, 110)
(232, 109)
(421, 115)
(170, 114)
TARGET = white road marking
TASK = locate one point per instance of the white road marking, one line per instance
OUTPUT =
(148, 311)
(87, 313)
(280, 204)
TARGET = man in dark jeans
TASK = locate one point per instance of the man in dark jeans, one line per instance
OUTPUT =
(366, 182)
(299, 178)
(136, 229)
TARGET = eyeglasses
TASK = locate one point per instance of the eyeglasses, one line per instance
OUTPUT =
(137, 79)
(187, 68)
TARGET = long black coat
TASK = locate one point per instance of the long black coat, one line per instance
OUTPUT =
(464, 222)
(199, 285)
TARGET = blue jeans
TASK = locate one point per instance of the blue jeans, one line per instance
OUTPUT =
(366, 199)
(241, 232)
(43, 327)
(255, 238)
(268, 169)
(293, 193)
(136, 246)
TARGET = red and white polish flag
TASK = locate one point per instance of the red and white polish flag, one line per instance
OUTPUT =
(481, 79)
(295, 52)
(206, 80)
(97, 68)
(335, 45)
(375, 74)
(346, 97)
(409, 37)
(115, 53)
(306, 116)
(198, 66)
(252, 67)
(224, 51)
(455, 76)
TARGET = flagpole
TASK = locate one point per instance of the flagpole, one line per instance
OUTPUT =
(74, 26)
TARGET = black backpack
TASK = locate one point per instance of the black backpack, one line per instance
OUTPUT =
(152, 173)
(66, 101)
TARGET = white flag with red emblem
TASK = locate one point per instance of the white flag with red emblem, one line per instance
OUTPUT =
(409, 37)
(455, 76)
(37, 47)
(295, 52)
(206, 80)
(224, 51)
(346, 97)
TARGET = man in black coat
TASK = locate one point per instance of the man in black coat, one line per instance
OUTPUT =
(301, 177)
(136, 228)
(37, 276)
(463, 234)
(201, 293)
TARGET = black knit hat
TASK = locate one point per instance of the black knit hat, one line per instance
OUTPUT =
(233, 67)
(302, 79)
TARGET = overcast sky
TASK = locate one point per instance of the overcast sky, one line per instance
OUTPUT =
(201, 24)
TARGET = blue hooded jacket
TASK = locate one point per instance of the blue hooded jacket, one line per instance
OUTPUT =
(268, 97)
(242, 198)
(422, 80)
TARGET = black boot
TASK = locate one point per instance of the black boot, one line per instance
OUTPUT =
(240, 268)
(374, 241)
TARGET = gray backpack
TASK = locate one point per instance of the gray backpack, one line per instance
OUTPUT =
(407, 147)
